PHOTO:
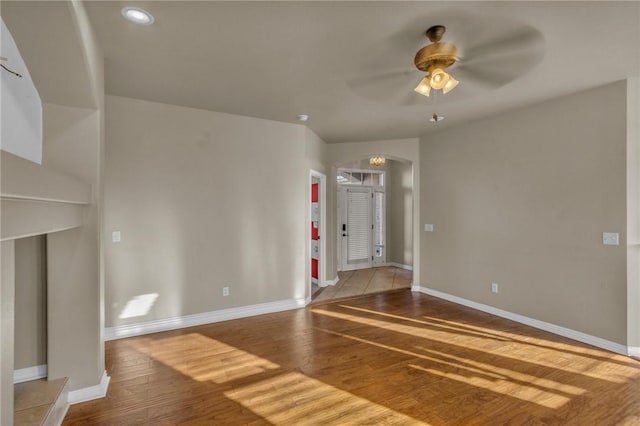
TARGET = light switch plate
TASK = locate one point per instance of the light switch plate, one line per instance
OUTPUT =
(428, 227)
(115, 236)
(610, 239)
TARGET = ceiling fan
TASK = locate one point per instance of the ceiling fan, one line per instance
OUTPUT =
(484, 53)
(434, 59)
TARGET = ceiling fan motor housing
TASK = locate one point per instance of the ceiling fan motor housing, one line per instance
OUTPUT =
(436, 55)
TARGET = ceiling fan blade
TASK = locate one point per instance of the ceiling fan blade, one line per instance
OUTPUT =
(525, 40)
(411, 98)
(488, 80)
(384, 87)
(498, 71)
(379, 78)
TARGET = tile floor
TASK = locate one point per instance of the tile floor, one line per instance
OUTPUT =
(35, 399)
(365, 281)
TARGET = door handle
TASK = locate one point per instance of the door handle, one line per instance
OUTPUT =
(344, 235)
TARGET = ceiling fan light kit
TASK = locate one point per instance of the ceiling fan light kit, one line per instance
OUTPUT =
(424, 87)
(434, 59)
(450, 85)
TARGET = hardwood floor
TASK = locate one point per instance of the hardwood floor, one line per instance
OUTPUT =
(389, 358)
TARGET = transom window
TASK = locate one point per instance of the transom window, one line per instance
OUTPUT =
(360, 177)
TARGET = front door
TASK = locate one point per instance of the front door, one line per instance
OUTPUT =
(356, 228)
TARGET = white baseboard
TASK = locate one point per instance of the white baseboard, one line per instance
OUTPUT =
(400, 265)
(92, 392)
(333, 281)
(552, 328)
(29, 373)
(155, 326)
(633, 351)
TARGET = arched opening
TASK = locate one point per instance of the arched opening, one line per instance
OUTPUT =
(376, 203)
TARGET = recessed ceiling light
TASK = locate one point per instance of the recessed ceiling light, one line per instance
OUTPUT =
(303, 117)
(138, 16)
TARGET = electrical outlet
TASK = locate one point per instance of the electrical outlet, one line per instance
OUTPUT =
(115, 236)
(494, 287)
(428, 227)
(225, 291)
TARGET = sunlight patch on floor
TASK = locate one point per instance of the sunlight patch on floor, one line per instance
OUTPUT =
(524, 393)
(630, 421)
(598, 369)
(486, 377)
(480, 332)
(293, 398)
(551, 345)
(509, 374)
(203, 358)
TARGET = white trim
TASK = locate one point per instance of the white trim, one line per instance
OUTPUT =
(58, 411)
(18, 197)
(633, 351)
(155, 326)
(333, 281)
(542, 325)
(357, 267)
(91, 392)
(33, 234)
(30, 373)
(322, 199)
(64, 414)
(400, 265)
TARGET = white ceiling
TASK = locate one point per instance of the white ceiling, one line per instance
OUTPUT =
(275, 60)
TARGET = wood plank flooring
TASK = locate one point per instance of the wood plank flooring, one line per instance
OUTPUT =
(389, 358)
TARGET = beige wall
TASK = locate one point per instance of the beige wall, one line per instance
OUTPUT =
(522, 200)
(633, 213)
(399, 216)
(317, 159)
(30, 302)
(7, 315)
(73, 144)
(203, 200)
(316, 151)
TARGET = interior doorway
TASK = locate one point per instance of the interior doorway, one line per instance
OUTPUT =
(317, 221)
